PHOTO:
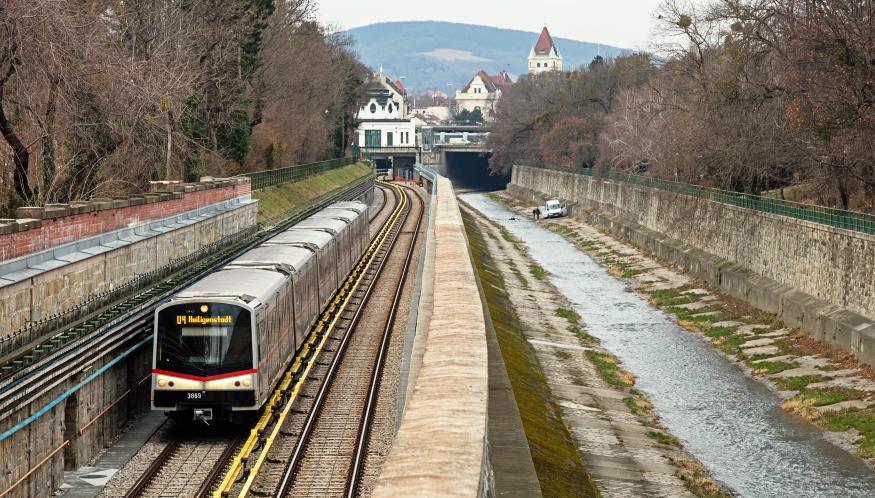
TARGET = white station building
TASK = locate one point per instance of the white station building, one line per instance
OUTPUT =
(385, 119)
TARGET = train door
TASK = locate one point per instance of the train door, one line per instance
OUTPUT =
(343, 252)
(288, 327)
(299, 313)
(332, 261)
(262, 348)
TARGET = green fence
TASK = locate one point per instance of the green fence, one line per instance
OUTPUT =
(850, 220)
(274, 177)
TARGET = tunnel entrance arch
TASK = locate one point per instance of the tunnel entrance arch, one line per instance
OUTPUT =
(470, 171)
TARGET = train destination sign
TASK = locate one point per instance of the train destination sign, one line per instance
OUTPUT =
(202, 320)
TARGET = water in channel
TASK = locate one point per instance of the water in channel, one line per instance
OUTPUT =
(731, 423)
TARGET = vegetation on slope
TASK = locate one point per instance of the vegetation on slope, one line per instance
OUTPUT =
(557, 462)
(274, 201)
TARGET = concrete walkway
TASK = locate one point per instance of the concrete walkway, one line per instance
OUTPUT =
(87, 482)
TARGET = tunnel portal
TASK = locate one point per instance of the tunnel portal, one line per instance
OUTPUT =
(470, 171)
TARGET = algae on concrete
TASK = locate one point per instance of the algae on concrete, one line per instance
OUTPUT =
(557, 462)
(274, 201)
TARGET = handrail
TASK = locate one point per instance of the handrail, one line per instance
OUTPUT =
(46, 459)
(835, 217)
(274, 177)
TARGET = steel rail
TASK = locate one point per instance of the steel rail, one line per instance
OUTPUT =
(213, 476)
(373, 390)
(153, 469)
(298, 373)
(319, 400)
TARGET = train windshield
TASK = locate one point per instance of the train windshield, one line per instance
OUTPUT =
(204, 339)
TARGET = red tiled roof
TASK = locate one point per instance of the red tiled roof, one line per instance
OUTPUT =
(502, 82)
(399, 85)
(501, 77)
(490, 85)
(545, 43)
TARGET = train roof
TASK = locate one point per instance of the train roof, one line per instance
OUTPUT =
(329, 225)
(245, 284)
(346, 215)
(313, 239)
(288, 258)
(358, 207)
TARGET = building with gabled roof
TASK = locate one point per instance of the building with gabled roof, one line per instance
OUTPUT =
(544, 55)
(483, 91)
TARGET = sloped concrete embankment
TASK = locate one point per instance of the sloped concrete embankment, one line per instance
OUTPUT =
(441, 446)
(812, 276)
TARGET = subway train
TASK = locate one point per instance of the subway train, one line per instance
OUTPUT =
(222, 344)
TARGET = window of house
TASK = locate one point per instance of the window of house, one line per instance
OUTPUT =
(372, 138)
(389, 139)
(539, 64)
(373, 108)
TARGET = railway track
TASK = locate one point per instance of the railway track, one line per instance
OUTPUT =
(191, 465)
(329, 454)
(187, 467)
(329, 395)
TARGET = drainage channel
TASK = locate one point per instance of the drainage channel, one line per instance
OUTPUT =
(731, 423)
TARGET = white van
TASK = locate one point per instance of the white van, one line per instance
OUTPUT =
(555, 209)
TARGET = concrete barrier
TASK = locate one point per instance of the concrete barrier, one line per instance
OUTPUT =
(440, 447)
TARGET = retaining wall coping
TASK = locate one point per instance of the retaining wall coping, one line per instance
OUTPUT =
(440, 447)
(161, 193)
(24, 267)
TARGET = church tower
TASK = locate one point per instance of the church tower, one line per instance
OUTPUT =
(544, 55)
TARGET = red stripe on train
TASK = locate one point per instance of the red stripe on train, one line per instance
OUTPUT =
(207, 378)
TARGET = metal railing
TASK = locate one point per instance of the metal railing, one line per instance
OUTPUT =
(274, 177)
(835, 217)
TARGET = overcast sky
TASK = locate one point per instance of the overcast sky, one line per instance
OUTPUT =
(621, 23)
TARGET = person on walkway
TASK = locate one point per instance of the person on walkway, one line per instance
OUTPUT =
(536, 213)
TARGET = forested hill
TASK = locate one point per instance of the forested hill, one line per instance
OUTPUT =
(433, 54)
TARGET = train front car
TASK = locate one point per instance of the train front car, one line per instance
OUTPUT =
(205, 351)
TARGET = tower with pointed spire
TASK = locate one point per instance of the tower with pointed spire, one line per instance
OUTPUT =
(544, 55)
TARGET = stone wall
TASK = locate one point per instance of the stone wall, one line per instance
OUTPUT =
(53, 287)
(39, 228)
(813, 276)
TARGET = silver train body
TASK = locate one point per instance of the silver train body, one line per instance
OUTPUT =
(222, 344)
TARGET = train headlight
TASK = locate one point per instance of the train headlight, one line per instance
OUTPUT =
(234, 382)
(167, 381)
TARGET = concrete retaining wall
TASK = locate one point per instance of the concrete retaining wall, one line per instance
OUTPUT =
(57, 279)
(440, 448)
(813, 276)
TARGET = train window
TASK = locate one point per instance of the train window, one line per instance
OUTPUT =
(209, 342)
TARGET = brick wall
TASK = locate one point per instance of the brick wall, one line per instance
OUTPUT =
(41, 228)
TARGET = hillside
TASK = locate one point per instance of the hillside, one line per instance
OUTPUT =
(432, 54)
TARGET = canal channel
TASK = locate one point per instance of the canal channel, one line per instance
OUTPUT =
(733, 424)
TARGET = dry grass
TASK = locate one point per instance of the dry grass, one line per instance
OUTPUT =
(628, 378)
(802, 407)
(689, 465)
